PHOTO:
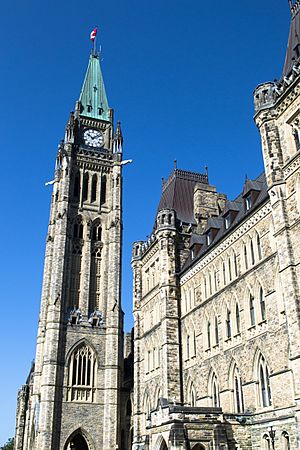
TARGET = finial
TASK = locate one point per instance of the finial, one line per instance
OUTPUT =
(206, 171)
(118, 139)
(175, 164)
(291, 4)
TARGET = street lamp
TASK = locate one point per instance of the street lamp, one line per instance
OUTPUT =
(272, 436)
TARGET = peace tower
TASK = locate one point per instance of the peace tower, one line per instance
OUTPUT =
(74, 386)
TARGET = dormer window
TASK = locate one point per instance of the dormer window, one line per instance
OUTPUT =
(248, 201)
(227, 221)
(89, 108)
(209, 237)
(100, 111)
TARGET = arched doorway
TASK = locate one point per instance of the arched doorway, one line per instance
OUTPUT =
(77, 442)
(198, 447)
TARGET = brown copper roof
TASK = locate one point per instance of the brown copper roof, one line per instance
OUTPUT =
(178, 193)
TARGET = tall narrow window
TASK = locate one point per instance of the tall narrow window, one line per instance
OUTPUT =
(95, 281)
(209, 281)
(76, 259)
(224, 273)
(228, 324)
(229, 269)
(216, 331)
(94, 188)
(82, 375)
(76, 185)
(85, 187)
(208, 336)
(264, 383)
(237, 319)
(188, 347)
(205, 287)
(215, 392)
(238, 392)
(252, 252)
(262, 304)
(259, 247)
(246, 257)
(252, 310)
(215, 280)
(96, 232)
(285, 441)
(235, 264)
(103, 190)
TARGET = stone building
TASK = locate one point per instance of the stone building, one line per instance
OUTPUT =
(75, 396)
(216, 297)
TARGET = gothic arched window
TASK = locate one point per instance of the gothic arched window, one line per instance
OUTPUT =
(228, 324)
(238, 391)
(76, 190)
(215, 393)
(252, 310)
(246, 257)
(259, 251)
(95, 280)
(262, 304)
(96, 232)
(252, 253)
(285, 439)
(208, 335)
(82, 375)
(216, 331)
(264, 383)
(235, 264)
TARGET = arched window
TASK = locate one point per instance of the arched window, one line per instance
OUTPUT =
(252, 253)
(78, 229)
(246, 257)
(76, 190)
(191, 394)
(258, 247)
(188, 346)
(264, 383)
(262, 304)
(96, 232)
(205, 287)
(252, 310)
(216, 331)
(215, 280)
(85, 187)
(76, 259)
(237, 319)
(285, 440)
(82, 375)
(210, 285)
(103, 190)
(238, 391)
(215, 393)
(208, 335)
(266, 442)
(228, 324)
(94, 188)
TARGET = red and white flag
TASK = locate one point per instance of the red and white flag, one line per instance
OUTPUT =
(93, 34)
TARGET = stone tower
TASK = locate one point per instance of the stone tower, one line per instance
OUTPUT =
(72, 398)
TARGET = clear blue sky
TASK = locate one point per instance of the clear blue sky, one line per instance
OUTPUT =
(180, 76)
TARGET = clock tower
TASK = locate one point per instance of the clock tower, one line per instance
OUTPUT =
(72, 397)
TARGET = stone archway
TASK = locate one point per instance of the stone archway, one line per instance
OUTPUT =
(198, 447)
(77, 442)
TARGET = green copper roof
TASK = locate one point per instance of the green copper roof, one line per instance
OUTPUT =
(93, 96)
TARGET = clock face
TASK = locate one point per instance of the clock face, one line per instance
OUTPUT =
(93, 138)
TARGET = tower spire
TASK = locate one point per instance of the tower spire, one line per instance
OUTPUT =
(93, 99)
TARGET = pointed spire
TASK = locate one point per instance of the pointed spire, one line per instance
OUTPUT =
(118, 139)
(93, 100)
(293, 47)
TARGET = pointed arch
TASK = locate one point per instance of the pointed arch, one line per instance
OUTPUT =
(85, 186)
(262, 377)
(161, 443)
(94, 188)
(76, 185)
(84, 438)
(82, 373)
(191, 395)
(213, 389)
(236, 387)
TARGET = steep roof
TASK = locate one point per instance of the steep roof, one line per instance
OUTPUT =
(178, 193)
(93, 95)
(238, 206)
(293, 47)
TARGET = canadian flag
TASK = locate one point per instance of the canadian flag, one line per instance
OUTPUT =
(93, 34)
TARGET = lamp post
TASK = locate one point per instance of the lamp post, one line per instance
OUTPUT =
(272, 436)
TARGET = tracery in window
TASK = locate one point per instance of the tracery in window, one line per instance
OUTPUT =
(82, 371)
(96, 232)
(264, 383)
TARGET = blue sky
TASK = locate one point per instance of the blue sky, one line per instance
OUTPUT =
(180, 76)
